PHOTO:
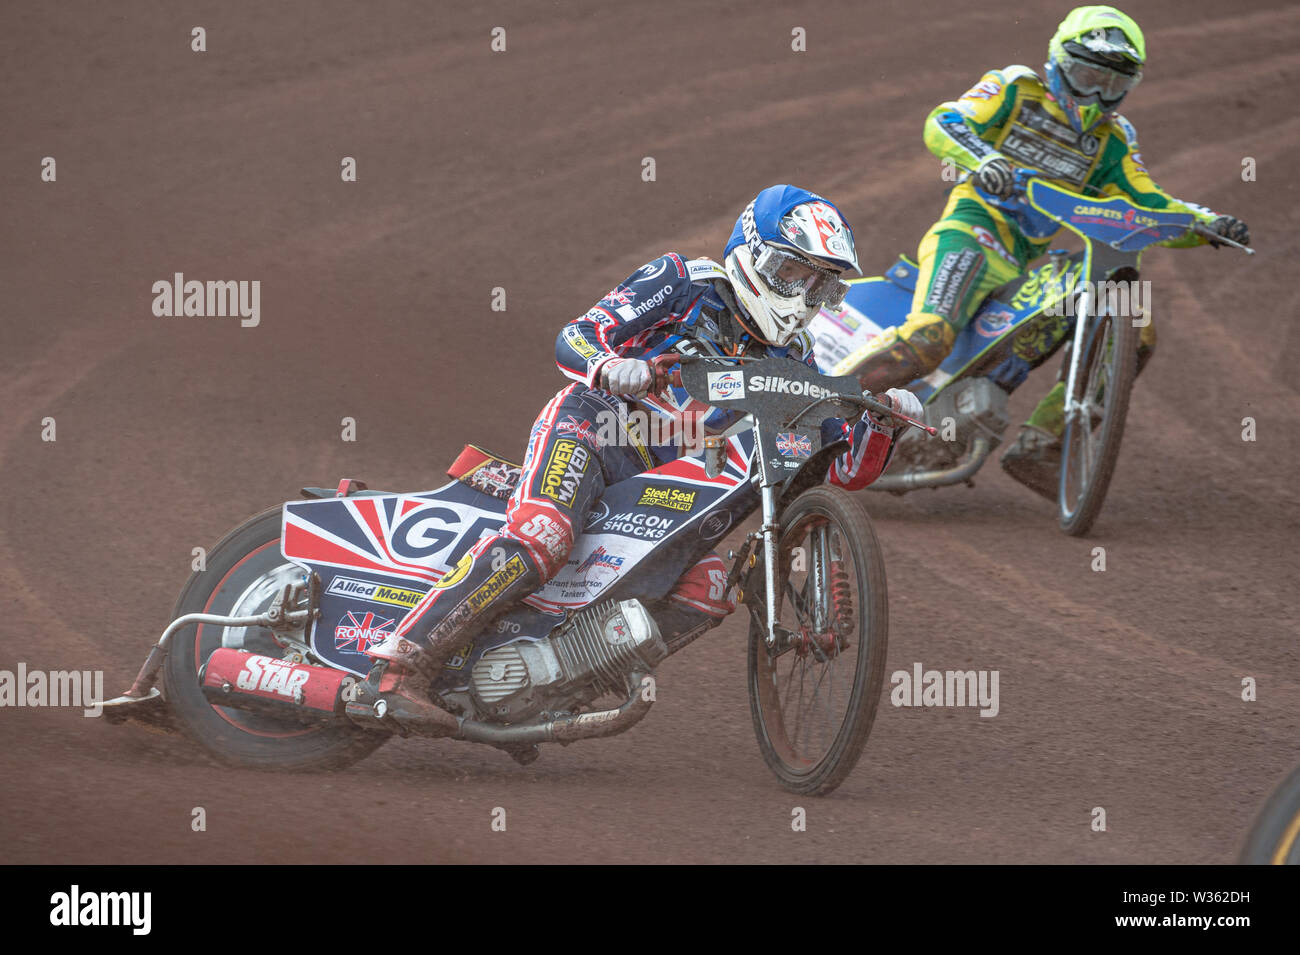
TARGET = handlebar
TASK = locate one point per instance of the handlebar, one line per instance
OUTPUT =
(666, 369)
(1215, 239)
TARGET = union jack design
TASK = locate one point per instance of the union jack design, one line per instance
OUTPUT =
(420, 536)
(358, 632)
(792, 445)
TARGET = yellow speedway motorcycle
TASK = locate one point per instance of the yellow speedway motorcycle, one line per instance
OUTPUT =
(1079, 301)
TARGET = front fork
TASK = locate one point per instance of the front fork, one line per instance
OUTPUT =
(770, 553)
(818, 568)
(1073, 406)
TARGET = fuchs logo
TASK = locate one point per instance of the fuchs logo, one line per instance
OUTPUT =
(784, 386)
(564, 470)
(792, 445)
(271, 676)
(994, 322)
(726, 385)
(358, 631)
(582, 430)
(673, 498)
(373, 592)
(601, 559)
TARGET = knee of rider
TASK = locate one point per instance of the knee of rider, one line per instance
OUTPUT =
(704, 588)
(930, 337)
(546, 535)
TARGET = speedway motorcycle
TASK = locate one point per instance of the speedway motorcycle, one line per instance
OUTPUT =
(262, 663)
(1070, 301)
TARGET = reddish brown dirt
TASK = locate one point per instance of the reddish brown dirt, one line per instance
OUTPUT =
(522, 170)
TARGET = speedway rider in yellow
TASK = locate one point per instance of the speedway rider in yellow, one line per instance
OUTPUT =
(1067, 131)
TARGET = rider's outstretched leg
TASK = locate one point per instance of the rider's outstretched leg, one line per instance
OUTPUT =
(1034, 459)
(562, 475)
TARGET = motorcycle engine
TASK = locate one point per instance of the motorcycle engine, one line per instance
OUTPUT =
(976, 406)
(589, 656)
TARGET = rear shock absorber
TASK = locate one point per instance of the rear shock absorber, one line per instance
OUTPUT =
(841, 600)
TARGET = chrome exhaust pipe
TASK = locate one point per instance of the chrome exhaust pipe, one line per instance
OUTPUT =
(566, 729)
(981, 447)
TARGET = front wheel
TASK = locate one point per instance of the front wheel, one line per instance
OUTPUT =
(1090, 444)
(1275, 837)
(813, 695)
(244, 573)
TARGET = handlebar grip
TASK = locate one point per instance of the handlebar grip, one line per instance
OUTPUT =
(664, 371)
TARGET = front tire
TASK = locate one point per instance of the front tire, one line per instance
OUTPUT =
(246, 571)
(813, 699)
(1088, 453)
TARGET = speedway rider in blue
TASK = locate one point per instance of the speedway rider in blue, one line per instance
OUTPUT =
(783, 261)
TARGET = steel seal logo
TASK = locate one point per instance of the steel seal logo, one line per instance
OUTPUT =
(373, 592)
(564, 470)
(672, 498)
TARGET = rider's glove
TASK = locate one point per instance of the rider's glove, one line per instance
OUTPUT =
(902, 401)
(1231, 228)
(996, 177)
(626, 376)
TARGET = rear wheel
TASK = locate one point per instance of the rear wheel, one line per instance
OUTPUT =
(813, 695)
(1090, 444)
(244, 574)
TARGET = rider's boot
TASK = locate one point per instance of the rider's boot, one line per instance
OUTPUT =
(1035, 458)
(487, 582)
(899, 355)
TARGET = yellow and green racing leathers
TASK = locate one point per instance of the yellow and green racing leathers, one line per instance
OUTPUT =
(982, 241)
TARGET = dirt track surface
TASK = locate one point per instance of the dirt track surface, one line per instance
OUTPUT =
(522, 170)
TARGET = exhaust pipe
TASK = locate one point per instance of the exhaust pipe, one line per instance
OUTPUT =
(294, 691)
(981, 447)
(566, 729)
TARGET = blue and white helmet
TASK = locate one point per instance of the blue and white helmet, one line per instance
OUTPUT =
(784, 260)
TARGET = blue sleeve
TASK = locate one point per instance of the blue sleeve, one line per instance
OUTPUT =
(652, 295)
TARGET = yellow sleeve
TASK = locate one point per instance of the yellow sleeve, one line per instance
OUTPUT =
(962, 130)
